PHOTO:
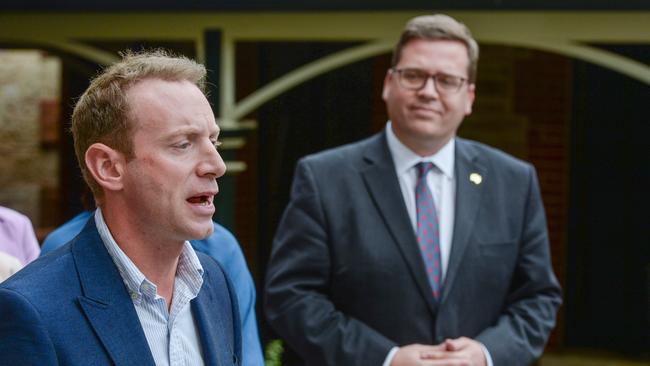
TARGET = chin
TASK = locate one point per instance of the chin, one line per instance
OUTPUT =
(198, 232)
(428, 133)
(206, 231)
(209, 231)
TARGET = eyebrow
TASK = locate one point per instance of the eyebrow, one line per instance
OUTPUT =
(187, 131)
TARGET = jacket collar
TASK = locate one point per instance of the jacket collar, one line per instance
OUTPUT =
(106, 302)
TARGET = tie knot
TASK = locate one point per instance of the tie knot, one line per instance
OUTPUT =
(424, 168)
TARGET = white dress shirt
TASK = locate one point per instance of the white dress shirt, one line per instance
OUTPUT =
(172, 335)
(440, 182)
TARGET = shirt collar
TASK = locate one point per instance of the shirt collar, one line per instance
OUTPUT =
(189, 268)
(406, 159)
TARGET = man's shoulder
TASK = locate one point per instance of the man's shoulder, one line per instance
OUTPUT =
(493, 155)
(65, 232)
(45, 278)
(347, 154)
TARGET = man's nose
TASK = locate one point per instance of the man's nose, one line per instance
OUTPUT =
(211, 162)
(429, 89)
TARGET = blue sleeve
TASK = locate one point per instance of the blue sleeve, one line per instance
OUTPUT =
(224, 248)
(23, 338)
(65, 233)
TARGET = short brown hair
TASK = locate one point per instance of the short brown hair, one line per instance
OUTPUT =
(439, 27)
(102, 112)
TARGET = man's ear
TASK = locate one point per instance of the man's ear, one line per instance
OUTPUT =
(106, 165)
(386, 88)
(471, 93)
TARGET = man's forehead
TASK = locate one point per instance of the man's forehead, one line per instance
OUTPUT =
(419, 49)
(421, 43)
(154, 87)
(167, 111)
(165, 95)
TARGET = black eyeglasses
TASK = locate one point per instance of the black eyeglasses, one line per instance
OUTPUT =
(416, 79)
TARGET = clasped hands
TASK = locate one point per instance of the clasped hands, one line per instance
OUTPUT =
(461, 351)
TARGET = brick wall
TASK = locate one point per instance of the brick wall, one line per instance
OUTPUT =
(29, 116)
(543, 84)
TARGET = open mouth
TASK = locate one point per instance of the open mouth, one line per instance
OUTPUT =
(203, 200)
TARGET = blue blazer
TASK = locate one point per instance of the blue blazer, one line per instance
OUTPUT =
(224, 248)
(72, 308)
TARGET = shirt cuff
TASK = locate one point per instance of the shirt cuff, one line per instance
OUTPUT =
(391, 355)
(488, 358)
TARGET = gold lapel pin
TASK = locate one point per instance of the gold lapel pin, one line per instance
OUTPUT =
(475, 178)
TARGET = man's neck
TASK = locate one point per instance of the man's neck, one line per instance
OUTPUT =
(421, 146)
(156, 257)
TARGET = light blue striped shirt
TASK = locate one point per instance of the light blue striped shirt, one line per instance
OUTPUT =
(172, 335)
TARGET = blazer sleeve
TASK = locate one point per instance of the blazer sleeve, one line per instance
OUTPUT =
(298, 279)
(519, 335)
(23, 338)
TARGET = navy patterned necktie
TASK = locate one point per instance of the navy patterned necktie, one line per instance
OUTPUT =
(427, 230)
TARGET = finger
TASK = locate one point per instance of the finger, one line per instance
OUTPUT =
(438, 347)
(446, 355)
(447, 362)
(451, 345)
(431, 355)
(456, 344)
(428, 348)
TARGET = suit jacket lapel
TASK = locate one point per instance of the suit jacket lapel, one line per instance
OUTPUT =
(383, 186)
(106, 301)
(468, 199)
(211, 328)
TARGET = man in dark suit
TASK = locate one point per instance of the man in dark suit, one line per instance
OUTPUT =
(129, 289)
(415, 247)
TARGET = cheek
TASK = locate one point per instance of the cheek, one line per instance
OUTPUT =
(154, 178)
(397, 103)
(164, 170)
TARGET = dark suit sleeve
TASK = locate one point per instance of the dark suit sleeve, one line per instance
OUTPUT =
(521, 332)
(23, 339)
(297, 301)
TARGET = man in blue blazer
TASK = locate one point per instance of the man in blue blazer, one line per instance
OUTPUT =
(415, 247)
(224, 248)
(129, 289)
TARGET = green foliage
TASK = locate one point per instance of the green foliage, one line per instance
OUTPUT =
(274, 351)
